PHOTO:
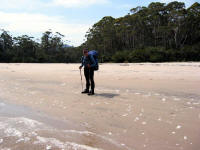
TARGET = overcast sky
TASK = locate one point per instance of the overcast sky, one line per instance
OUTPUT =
(72, 18)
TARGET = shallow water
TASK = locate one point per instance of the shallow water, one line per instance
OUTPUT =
(22, 128)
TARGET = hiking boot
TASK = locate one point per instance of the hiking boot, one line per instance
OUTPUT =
(91, 92)
(85, 91)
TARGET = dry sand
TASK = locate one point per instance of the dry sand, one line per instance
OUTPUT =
(136, 107)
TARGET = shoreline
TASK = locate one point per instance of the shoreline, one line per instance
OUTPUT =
(136, 106)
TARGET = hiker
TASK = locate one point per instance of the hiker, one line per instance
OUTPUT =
(89, 63)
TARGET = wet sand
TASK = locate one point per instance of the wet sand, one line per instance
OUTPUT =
(136, 107)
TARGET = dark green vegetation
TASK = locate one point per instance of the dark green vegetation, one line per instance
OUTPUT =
(157, 33)
(24, 49)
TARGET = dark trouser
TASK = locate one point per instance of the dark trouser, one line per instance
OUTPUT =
(89, 77)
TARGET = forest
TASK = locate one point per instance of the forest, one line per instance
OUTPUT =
(158, 33)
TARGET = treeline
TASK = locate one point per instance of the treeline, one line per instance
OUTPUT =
(49, 49)
(157, 33)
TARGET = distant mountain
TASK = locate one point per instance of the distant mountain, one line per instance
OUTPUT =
(66, 46)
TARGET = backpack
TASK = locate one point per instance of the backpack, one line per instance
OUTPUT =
(94, 53)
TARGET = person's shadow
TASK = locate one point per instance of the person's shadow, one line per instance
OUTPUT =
(106, 95)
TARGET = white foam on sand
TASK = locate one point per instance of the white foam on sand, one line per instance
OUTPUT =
(28, 122)
(18, 127)
(111, 141)
(48, 147)
(12, 132)
(26, 139)
(79, 132)
(62, 145)
(24, 130)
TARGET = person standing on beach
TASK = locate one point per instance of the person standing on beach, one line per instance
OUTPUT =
(89, 63)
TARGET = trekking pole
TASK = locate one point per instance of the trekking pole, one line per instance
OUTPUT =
(81, 80)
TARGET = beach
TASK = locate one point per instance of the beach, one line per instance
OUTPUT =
(136, 106)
